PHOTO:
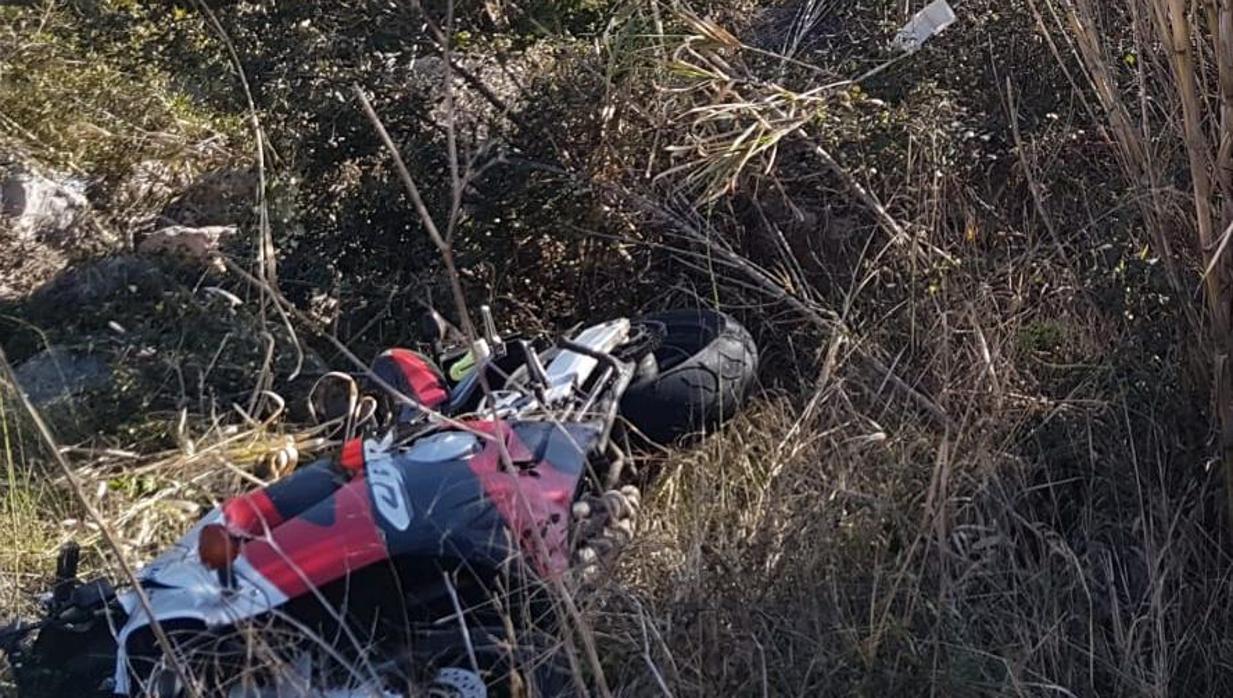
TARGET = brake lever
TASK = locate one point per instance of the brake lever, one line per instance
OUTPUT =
(490, 331)
(536, 374)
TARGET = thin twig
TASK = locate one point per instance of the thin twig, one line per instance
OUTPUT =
(413, 191)
(267, 257)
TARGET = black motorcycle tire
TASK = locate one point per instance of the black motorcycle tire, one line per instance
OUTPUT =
(705, 365)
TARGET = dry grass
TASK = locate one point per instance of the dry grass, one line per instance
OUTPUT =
(828, 556)
(981, 462)
(1045, 541)
(1192, 115)
(24, 507)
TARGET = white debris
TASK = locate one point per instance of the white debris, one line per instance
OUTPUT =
(923, 26)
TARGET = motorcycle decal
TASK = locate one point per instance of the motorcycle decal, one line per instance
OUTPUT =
(388, 491)
(370, 518)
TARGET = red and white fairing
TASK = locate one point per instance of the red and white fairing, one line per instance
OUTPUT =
(448, 496)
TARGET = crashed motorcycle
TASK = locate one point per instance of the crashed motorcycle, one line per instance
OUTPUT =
(432, 552)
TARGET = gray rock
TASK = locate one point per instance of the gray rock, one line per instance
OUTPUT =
(87, 287)
(39, 207)
(58, 374)
(46, 224)
(194, 244)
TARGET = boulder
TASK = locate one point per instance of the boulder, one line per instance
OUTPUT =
(39, 207)
(46, 223)
(92, 286)
(57, 375)
(191, 244)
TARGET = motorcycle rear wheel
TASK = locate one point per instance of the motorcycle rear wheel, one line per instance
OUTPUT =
(705, 365)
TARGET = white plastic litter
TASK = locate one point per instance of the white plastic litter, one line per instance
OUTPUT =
(923, 26)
